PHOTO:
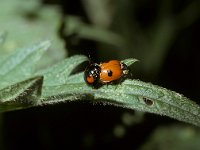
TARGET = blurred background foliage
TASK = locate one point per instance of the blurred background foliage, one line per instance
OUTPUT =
(162, 34)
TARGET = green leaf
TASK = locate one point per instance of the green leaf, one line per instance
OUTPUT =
(21, 95)
(147, 97)
(135, 94)
(130, 61)
(61, 87)
(59, 73)
(131, 94)
(20, 64)
(28, 22)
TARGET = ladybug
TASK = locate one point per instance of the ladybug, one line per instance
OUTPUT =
(113, 71)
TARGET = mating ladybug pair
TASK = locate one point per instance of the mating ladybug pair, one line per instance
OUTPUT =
(113, 71)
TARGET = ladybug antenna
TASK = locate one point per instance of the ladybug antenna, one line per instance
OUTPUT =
(90, 59)
(89, 56)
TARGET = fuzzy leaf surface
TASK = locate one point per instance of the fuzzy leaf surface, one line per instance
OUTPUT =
(59, 73)
(131, 94)
(21, 95)
(21, 64)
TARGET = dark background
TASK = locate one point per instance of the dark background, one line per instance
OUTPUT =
(87, 125)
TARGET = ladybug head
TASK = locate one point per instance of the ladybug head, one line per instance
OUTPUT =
(92, 74)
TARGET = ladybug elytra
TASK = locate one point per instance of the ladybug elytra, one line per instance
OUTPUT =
(113, 71)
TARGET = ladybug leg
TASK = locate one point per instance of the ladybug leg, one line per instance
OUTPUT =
(107, 85)
(116, 86)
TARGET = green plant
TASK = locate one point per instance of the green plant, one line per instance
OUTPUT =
(22, 86)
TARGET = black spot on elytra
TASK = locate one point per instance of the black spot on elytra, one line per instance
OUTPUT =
(110, 73)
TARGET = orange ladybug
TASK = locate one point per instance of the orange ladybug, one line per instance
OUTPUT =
(113, 71)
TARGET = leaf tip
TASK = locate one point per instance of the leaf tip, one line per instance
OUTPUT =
(130, 61)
